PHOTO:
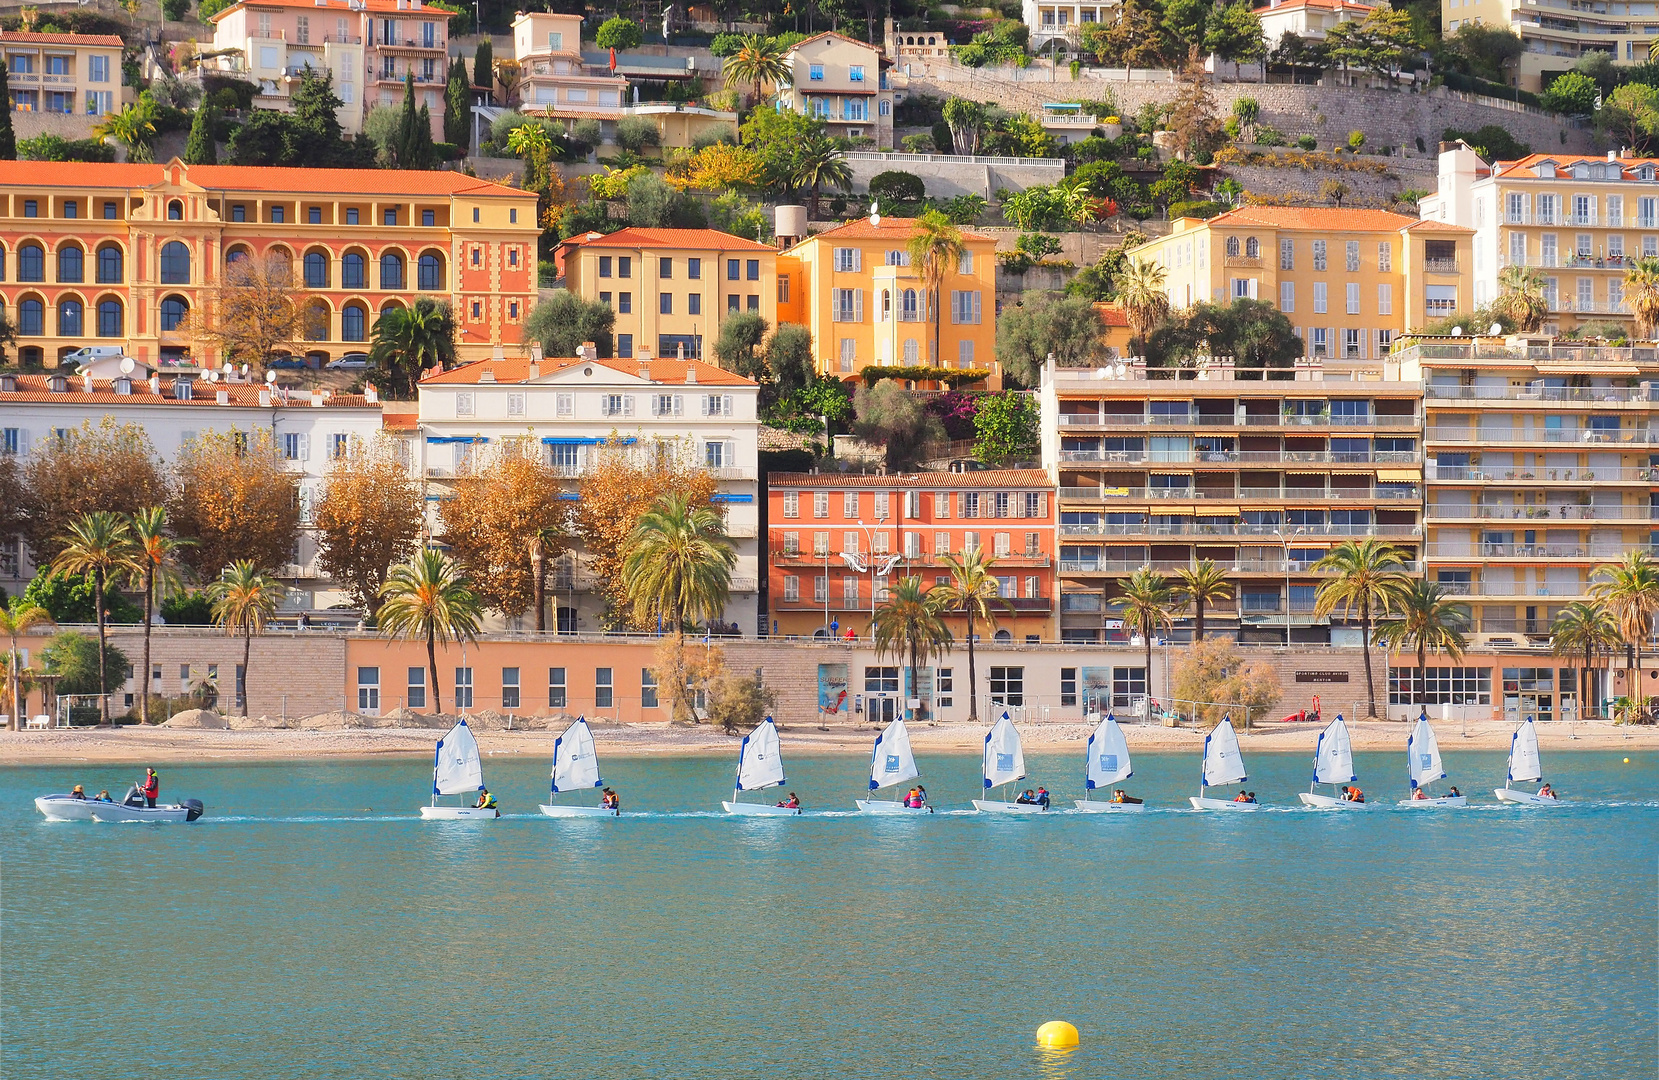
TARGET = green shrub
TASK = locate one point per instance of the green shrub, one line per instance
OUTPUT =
(49, 147)
(895, 186)
(175, 10)
(618, 33)
(1246, 109)
(187, 609)
(917, 144)
(1307, 142)
(1196, 208)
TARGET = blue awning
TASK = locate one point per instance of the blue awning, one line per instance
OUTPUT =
(447, 439)
(587, 440)
(730, 497)
(568, 496)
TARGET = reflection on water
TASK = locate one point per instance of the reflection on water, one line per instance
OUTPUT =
(317, 928)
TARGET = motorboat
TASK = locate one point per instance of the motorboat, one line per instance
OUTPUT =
(891, 764)
(1525, 767)
(1423, 766)
(1223, 764)
(1333, 764)
(457, 769)
(1106, 762)
(1003, 763)
(576, 768)
(759, 766)
(133, 807)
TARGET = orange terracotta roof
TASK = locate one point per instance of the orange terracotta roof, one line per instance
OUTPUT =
(988, 478)
(832, 34)
(675, 238)
(106, 41)
(668, 371)
(400, 421)
(1329, 5)
(1430, 225)
(38, 389)
(340, 5)
(253, 178)
(1319, 218)
(1526, 168)
(891, 228)
(1111, 314)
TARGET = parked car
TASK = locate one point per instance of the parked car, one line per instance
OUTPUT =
(287, 363)
(355, 361)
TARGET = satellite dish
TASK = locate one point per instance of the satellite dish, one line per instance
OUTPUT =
(229, 367)
(1121, 370)
(1457, 331)
(244, 371)
(270, 377)
(875, 213)
(1495, 330)
(127, 365)
(213, 376)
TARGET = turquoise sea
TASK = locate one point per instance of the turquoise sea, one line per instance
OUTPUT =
(311, 926)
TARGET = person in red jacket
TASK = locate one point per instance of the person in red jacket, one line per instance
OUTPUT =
(152, 786)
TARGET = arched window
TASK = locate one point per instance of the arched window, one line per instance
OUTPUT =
(1232, 246)
(391, 271)
(71, 264)
(390, 305)
(235, 255)
(109, 318)
(352, 272)
(316, 270)
(316, 322)
(175, 263)
(69, 318)
(1003, 635)
(912, 353)
(31, 318)
(173, 311)
(111, 268)
(886, 304)
(2, 262)
(430, 272)
(31, 263)
(353, 323)
(1253, 248)
(886, 108)
(175, 211)
(908, 311)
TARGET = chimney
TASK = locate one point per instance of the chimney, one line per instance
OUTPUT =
(1612, 155)
(155, 385)
(222, 397)
(645, 371)
(316, 399)
(535, 370)
(498, 353)
(265, 398)
(86, 381)
(691, 374)
(371, 395)
(486, 376)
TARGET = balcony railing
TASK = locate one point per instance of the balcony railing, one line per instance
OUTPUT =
(1570, 261)
(1472, 474)
(1168, 566)
(1530, 551)
(1511, 588)
(1440, 266)
(1611, 395)
(1248, 457)
(1543, 513)
(1274, 419)
(1292, 494)
(1237, 528)
(1483, 434)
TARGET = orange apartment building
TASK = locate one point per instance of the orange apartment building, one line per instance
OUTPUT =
(123, 253)
(831, 535)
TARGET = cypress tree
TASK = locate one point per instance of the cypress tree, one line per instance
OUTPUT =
(426, 153)
(8, 138)
(483, 66)
(457, 105)
(200, 148)
(406, 146)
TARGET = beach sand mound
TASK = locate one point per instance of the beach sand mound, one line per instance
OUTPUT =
(195, 718)
(262, 723)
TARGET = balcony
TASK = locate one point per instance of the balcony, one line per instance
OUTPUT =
(1232, 528)
(1571, 261)
(1542, 513)
(1596, 395)
(1508, 435)
(1124, 567)
(1468, 474)
(1291, 494)
(1512, 588)
(1234, 419)
(1440, 266)
(412, 44)
(1248, 457)
(1471, 552)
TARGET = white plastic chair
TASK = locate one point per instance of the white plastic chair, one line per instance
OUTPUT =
(41, 721)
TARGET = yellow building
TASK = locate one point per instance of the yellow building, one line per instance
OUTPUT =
(842, 82)
(1350, 281)
(854, 288)
(670, 288)
(67, 74)
(1554, 34)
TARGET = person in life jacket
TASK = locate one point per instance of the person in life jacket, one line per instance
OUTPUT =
(152, 786)
(610, 800)
(1042, 797)
(486, 801)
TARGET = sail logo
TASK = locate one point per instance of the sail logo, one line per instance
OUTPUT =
(1005, 762)
(1108, 762)
(892, 764)
(1425, 761)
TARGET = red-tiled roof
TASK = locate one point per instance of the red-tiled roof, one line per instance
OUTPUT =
(1430, 225)
(988, 478)
(1111, 314)
(19, 37)
(1329, 5)
(831, 34)
(400, 421)
(253, 178)
(1527, 167)
(675, 238)
(668, 371)
(891, 228)
(341, 5)
(1320, 218)
(37, 388)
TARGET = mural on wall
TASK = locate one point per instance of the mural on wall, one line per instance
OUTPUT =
(832, 689)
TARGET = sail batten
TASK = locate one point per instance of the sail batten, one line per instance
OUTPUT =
(1524, 763)
(1423, 755)
(1333, 760)
(1223, 761)
(1004, 760)
(456, 766)
(1107, 756)
(891, 762)
(575, 760)
(760, 761)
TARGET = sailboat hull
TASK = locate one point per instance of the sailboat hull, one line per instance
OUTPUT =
(1199, 803)
(1094, 806)
(578, 811)
(1441, 803)
(996, 806)
(1524, 798)
(452, 813)
(888, 807)
(1329, 802)
(751, 809)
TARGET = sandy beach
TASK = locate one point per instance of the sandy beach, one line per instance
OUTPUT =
(160, 744)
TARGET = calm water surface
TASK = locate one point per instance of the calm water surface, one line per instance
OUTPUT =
(311, 926)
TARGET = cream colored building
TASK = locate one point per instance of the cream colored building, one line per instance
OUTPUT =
(1309, 20)
(66, 74)
(1059, 20)
(1555, 33)
(844, 83)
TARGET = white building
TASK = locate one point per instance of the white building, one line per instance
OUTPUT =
(1309, 20)
(573, 406)
(309, 429)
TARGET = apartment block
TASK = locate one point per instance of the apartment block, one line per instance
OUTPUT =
(1580, 221)
(838, 542)
(844, 83)
(124, 253)
(1059, 20)
(1309, 20)
(1261, 475)
(854, 288)
(1555, 33)
(1350, 281)
(672, 288)
(64, 74)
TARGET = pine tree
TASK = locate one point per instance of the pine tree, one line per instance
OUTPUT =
(200, 148)
(457, 105)
(8, 139)
(483, 66)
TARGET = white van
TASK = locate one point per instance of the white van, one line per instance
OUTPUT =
(82, 357)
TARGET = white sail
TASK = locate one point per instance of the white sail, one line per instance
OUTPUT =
(575, 761)
(1423, 755)
(1524, 765)
(1333, 761)
(1108, 755)
(1004, 759)
(760, 762)
(892, 762)
(1223, 762)
(457, 767)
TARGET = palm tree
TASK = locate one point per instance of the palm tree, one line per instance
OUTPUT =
(1641, 294)
(542, 544)
(1584, 629)
(1523, 299)
(1141, 294)
(134, 127)
(1426, 618)
(971, 588)
(819, 163)
(1370, 580)
(409, 341)
(244, 599)
(16, 621)
(427, 597)
(1202, 584)
(528, 139)
(100, 544)
(908, 624)
(760, 60)
(936, 251)
(1630, 591)
(154, 575)
(1147, 600)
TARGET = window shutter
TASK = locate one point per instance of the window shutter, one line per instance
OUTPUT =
(726, 405)
(1254, 284)
(1042, 505)
(305, 448)
(961, 504)
(628, 405)
(858, 260)
(977, 299)
(679, 405)
(858, 305)
(703, 402)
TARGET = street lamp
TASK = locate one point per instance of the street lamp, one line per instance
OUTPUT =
(1285, 540)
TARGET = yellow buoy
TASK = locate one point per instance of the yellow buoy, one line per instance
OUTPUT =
(1057, 1035)
(1627, 761)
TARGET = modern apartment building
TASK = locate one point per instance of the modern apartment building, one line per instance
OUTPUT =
(64, 74)
(844, 83)
(1555, 33)
(1349, 280)
(1580, 221)
(124, 253)
(671, 288)
(839, 542)
(574, 406)
(854, 288)
(369, 46)
(548, 48)
(1060, 20)
(1166, 468)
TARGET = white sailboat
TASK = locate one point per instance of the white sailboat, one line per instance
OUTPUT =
(1106, 762)
(457, 769)
(1223, 764)
(891, 764)
(575, 768)
(1525, 767)
(1423, 764)
(759, 766)
(1004, 763)
(1333, 763)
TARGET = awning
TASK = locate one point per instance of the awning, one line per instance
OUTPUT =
(1586, 367)
(731, 497)
(1399, 475)
(440, 440)
(587, 440)
(568, 496)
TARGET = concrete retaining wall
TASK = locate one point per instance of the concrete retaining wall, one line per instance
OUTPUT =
(949, 175)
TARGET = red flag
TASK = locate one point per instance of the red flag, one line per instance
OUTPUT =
(613, 58)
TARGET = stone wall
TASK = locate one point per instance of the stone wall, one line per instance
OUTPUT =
(949, 175)
(26, 125)
(1365, 188)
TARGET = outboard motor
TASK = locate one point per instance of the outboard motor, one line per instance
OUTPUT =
(193, 809)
